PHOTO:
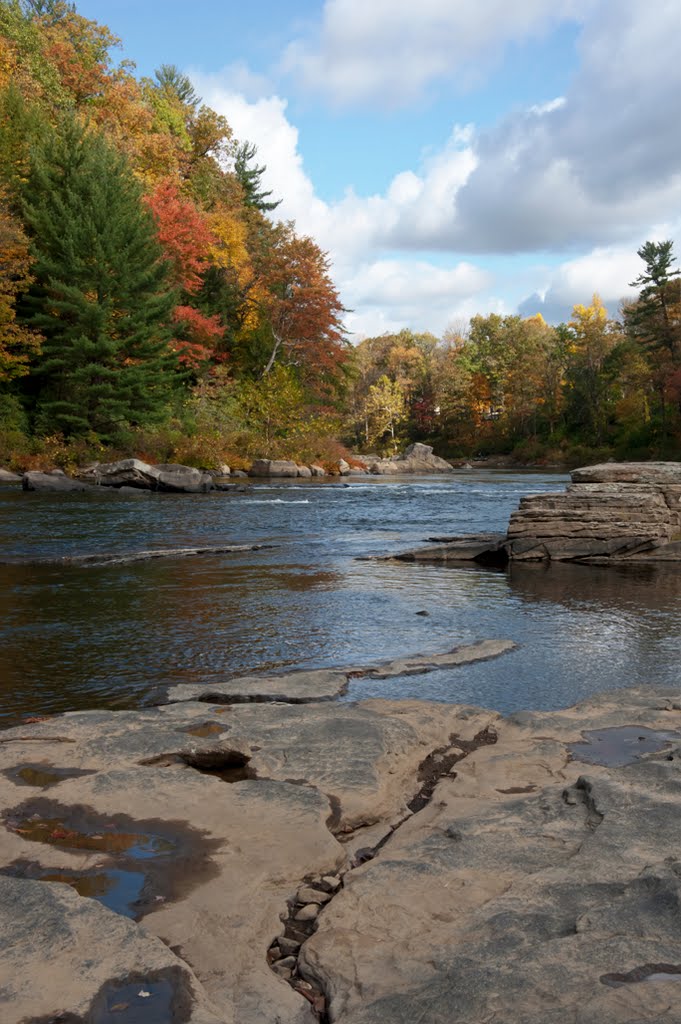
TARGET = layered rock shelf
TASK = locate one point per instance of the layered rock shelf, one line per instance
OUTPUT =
(616, 512)
(371, 863)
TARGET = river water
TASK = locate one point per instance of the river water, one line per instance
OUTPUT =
(113, 636)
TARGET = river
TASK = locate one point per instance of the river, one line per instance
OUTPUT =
(113, 636)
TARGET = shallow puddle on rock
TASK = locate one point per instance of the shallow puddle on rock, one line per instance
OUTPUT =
(231, 773)
(76, 833)
(158, 997)
(646, 972)
(617, 747)
(142, 863)
(205, 729)
(43, 775)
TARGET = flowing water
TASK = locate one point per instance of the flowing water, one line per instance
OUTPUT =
(114, 635)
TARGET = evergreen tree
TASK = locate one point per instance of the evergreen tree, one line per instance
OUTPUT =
(249, 177)
(655, 319)
(100, 298)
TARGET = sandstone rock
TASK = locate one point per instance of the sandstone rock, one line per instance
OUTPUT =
(273, 467)
(48, 934)
(304, 471)
(626, 512)
(240, 473)
(530, 882)
(629, 472)
(224, 470)
(295, 688)
(317, 470)
(542, 881)
(6, 477)
(313, 685)
(343, 467)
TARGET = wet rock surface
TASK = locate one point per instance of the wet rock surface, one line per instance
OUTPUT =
(358, 863)
(325, 684)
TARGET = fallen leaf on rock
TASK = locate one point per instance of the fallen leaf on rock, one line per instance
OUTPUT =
(119, 1007)
(143, 994)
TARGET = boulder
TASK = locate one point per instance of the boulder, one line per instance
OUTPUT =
(304, 471)
(417, 458)
(317, 470)
(343, 467)
(274, 467)
(164, 477)
(6, 477)
(56, 482)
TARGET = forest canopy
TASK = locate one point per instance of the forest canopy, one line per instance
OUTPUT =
(152, 303)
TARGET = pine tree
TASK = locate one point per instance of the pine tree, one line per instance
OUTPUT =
(101, 298)
(656, 318)
(250, 179)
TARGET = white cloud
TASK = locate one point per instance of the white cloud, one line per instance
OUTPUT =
(605, 271)
(389, 51)
(593, 170)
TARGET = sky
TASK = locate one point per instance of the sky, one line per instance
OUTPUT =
(452, 157)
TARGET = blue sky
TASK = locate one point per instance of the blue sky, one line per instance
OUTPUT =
(451, 157)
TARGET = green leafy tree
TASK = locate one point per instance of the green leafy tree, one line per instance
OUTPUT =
(100, 297)
(386, 411)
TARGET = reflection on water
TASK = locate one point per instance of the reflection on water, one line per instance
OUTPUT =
(110, 636)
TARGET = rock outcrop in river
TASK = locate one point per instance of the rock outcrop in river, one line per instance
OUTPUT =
(417, 458)
(616, 512)
(372, 863)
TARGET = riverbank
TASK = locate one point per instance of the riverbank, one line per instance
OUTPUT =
(352, 863)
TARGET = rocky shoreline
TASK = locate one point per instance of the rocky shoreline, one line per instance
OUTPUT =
(236, 859)
(132, 476)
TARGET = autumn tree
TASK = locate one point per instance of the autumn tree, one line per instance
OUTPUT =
(101, 297)
(302, 310)
(18, 343)
(592, 337)
(386, 412)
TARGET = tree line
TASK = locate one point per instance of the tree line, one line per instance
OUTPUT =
(507, 384)
(152, 303)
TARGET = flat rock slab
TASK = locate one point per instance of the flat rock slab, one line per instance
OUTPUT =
(509, 867)
(293, 688)
(534, 887)
(126, 557)
(326, 684)
(45, 933)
